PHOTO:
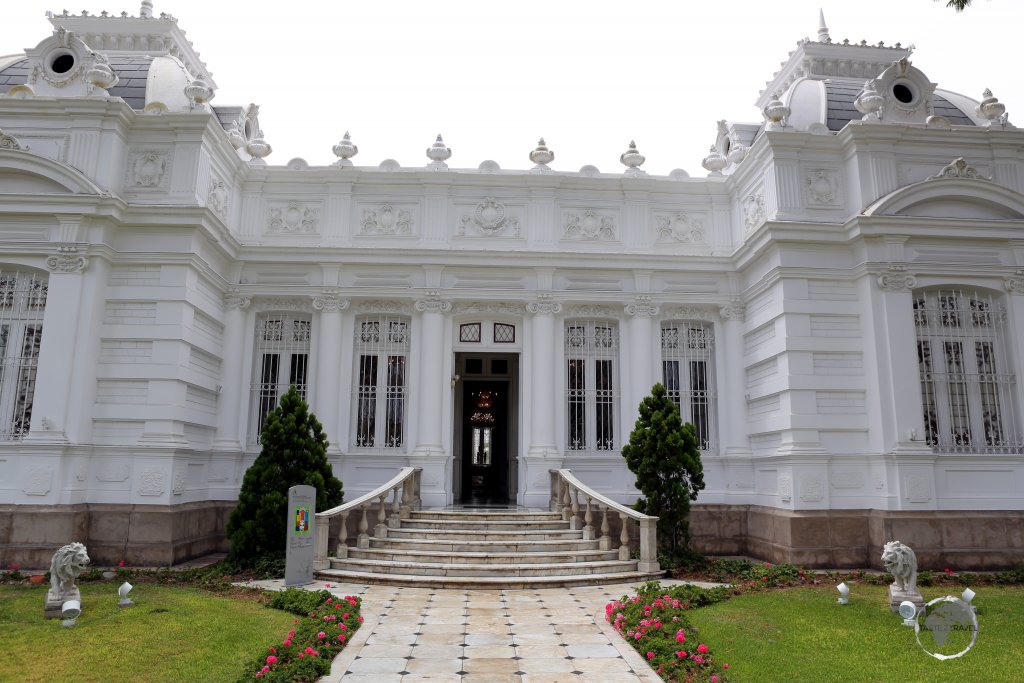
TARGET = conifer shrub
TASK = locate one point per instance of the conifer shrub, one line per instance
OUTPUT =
(294, 452)
(664, 454)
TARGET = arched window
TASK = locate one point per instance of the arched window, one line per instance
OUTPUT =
(966, 371)
(688, 373)
(591, 384)
(281, 360)
(380, 387)
(22, 302)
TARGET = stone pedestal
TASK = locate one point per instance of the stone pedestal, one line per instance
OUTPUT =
(897, 596)
(54, 602)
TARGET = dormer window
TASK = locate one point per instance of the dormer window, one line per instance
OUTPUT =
(903, 92)
(62, 62)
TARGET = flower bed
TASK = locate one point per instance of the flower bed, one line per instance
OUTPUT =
(655, 623)
(305, 653)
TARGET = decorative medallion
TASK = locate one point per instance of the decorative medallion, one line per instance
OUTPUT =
(822, 186)
(152, 483)
(67, 260)
(329, 302)
(293, 218)
(217, 198)
(544, 308)
(149, 169)
(896, 279)
(1015, 284)
(589, 226)
(386, 221)
(433, 306)
(641, 307)
(679, 227)
(753, 211)
(489, 217)
(10, 142)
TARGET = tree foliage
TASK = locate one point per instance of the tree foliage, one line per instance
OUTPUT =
(294, 452)
(664, 454)
(959, 5)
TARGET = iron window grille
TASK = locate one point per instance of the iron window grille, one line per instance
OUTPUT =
(22, 303)
(688, 373)
(591, 385)
(381, 386)
(281, 360)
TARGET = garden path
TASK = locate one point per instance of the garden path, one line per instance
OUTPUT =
(554, 635)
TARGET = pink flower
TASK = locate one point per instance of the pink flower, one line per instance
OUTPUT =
(681, 654)
(265, 668)
(271, 659)
(321, 635)
(309, 650)
(725, 666)
(272, 649)
(302, 656)
(345, 615)
(14, 567)
(360, 620)
(259, 674)
(714, 679)
(650, 655)
(702, 648)
(341, 637)
(680, 638)
(698, 659)
(291, 633)
(121, 563)
(286, 642)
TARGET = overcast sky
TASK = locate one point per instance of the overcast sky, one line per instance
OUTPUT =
(589, 76)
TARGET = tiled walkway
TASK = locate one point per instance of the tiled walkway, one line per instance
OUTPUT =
(556, 635)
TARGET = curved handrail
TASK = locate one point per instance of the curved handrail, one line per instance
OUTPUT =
(373, 495)
(591, 493)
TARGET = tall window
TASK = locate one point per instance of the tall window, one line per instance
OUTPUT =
(22, 301)
(281, 360)
(382, 353)
(687, 371)
(966, 375)
(591, 385)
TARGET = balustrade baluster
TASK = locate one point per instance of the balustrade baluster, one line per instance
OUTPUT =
(342, 550)
(624, 537)
(566, 507)
(606, 540)
(588, 522)
(393, 520)
(363, 540)
(381, 529)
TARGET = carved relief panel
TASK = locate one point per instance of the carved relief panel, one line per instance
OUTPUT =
(488, 218)
(387, 219)
(822, 188)
(148, 170)
(678, 227)
(590, 225)
(293, 218)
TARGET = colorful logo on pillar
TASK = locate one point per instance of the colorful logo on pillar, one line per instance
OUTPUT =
(302, 520)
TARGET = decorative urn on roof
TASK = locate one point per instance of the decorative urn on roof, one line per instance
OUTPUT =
(869, 102)
(100, 75)
(258, 148)
(775, 113)
(542, 156)
(198, 93)
(990, 108)
(345, 150)
(438, 153)
(633, 160)
(714, 162)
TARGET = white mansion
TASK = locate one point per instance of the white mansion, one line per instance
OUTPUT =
(838, 307)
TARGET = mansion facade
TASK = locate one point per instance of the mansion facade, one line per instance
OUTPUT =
(837, 307)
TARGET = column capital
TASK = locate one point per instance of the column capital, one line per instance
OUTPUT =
(329, 301)
(895, 278)
(734, 310)
(67, 260)
(235, 299)
(433, 306)
(1015, 283)
(642, 307)
(543, 307)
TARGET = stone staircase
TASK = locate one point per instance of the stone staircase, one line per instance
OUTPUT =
(464, 548)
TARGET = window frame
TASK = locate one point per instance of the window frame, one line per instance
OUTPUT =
(692, 343)
(291, 351)
(592, 355)
(384, 352)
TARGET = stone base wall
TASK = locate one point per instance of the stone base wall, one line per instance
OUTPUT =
(141, 535)
(962, 540)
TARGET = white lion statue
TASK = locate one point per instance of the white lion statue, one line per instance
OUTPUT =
(902, 564)
(67, 564)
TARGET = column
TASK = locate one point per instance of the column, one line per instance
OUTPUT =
(641, 349)
(432, 391)
(542, 384)
(232, 388)
(732, 394)
(56, 363)
(327, 369)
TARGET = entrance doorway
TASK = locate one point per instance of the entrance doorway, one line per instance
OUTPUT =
(486, 459)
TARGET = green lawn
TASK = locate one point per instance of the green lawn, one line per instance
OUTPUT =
(802, 635)
(170, 634)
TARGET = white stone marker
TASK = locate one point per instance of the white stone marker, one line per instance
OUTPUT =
(301, 536)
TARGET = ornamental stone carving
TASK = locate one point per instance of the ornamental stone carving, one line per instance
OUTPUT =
(438, 153)
(293, 218)
(433, 306)
(152, 483)
(217, 198)
(178, 487)
(811, 489)
(753, 211)
(544, 308)
(1015, 283)
(489, 217)
(10, 142)
(590, 225)
(148, 170)
(283, 304)
(592, 311)
(67, 260)
(900, 561)
(489, 308)
(234, 299)
(397, 307)
(896, 279)
(733, 310)
(688, 313)
(329, 302)
(679, 227)
(386, 221)
(958, 168)
(822, 186)
(641, 307)
(785, 488)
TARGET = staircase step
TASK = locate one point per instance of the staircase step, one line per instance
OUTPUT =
(468, 524)
(497, 582)
(486, 534)
(496, 515)
(385, 554)
(471, 545)
(504, 570)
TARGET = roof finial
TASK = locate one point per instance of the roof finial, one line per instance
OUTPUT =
(823, 36)
(146, 11)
